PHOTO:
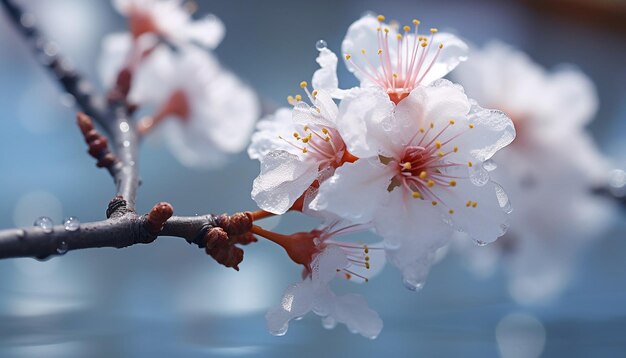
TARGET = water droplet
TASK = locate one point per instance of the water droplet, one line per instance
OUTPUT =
(478, 175)
(279, 332)
(27, 20)
(51, 49)
(328, 322)
(617, 182)
(413, 285)
(299, 318)
(71, 223)
(62, 248)
(489, 165)
(44, 223)
(126, 143)
(368, 14)
(503, 199)
(320, 45)
(124, 127)
(480, 243)
(21, 234)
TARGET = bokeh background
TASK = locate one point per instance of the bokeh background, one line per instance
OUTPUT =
(169, 298)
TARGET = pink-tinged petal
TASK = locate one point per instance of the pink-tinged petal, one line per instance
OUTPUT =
(284, 178)
(362, 35)
(355, 191)
(365, 123)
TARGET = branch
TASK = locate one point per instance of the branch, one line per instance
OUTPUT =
(46, 53)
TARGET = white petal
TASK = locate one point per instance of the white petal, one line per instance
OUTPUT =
(325, 78)
(296, 302)
(362, 35)
(454, 51)
(365, 117)
(268, 133)
(207, 31)
(284, 178)
(114, 54)
(190, 146)
(353, 311)
(325, 265)
(355, 191)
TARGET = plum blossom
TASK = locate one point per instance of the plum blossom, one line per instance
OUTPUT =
(420, 171)
(549, 170)
(171, 20)
(298, 149)
(325, 259)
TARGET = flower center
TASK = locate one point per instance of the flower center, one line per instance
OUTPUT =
(141, 22)
(400, 67)
(422, 164)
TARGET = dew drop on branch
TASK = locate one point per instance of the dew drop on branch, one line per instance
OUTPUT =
(320, 45)
(71, 223)
(62, 248)
(44, 223)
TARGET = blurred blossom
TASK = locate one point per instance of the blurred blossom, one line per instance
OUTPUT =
(549, 171)
(203, 110)
(520, 336)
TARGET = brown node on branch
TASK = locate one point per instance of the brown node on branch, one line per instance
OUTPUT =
(222, 248)
(98, 144)
(157, 217)
(236, 224)
(122, 86)
(116, 205)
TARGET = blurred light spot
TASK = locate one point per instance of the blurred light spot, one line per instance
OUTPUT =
(228, 292)
(36, 204)
(617, 182)
(520, 336)
(236, 351)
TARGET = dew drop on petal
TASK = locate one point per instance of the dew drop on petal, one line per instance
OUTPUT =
(489, 165)
(62, 248)
(413, 285)
(503, 199)
(329, 322)
(320, 45)
(279, 332)
(44, 223)
(71, 223)
(478, 175)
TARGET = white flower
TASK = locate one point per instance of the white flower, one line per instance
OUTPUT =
(396, 61)
(298, 149)
(549, 171)
(171, 20)
(328, 259)
(213, 112)
(420, 170)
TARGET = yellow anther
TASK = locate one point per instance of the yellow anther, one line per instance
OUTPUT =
(298, 98)
(348, 276)
(378, 29)
(348, 57)
(452, 182)
(327, 139)
(306, 127)
(416, 22)
(469, 203)
(303, 84)
(432, 125)
(324, 130)
(422, 130)
(319, 110)
(438, 144)
(386, 29)
(363, 51)
(471, 126)
(306, 139)
(394, 75)
(380, 18)
(474, 204)
(451, 211)
(367, 266)
(440, 46)
(430, 183)
(314, 93)
(406, 28)
(440, 154)
(455, 149)
(399, 36)
(424, 44)
(451, 121)
(423, 175)
(289, 99)
(296, 135)
(433, 30)
(304, 150)
(406, 166)
(367, 258)
(366, 249)
(416, 195)
(380, 51)
(434, 203)
(469, 164)
(367, 280)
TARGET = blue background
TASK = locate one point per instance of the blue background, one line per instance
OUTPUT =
(169, 298)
